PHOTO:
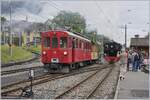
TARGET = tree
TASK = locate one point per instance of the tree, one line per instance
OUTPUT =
(72, 20)
(3, 20)
(92, 35)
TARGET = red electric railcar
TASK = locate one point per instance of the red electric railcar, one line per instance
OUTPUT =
(63, 50)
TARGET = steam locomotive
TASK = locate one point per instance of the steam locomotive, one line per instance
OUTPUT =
(111, 51)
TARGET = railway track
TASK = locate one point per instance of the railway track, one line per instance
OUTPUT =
(19, 70)
(36, 78)
(18, 86)
(71, 90)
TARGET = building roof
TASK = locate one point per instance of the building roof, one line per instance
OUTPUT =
(139, 42)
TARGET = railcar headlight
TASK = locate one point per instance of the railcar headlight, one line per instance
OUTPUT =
(65, 53)
(44, 52)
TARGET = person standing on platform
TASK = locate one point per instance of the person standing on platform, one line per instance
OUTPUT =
(135, 58)
(138, 61)
(129, 60)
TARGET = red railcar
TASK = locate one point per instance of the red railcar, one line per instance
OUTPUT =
(64, 50)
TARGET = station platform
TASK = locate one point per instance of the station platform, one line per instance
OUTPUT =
(134, 86)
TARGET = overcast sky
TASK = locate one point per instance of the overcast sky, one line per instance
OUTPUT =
(108, 17)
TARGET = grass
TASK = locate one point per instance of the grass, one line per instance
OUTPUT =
(19, 54)
(35, 49)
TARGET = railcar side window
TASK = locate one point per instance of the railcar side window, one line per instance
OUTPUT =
(54, 42)
(70, 42)
(82, 45)
(46, 42)
(63, 42)
(79, 43)
(76, 43)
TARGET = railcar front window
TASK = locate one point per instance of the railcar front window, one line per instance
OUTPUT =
(63, 42)
(54, 42)
(46, 41)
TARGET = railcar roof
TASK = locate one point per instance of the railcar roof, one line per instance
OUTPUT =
(71, 34)
(77, 35)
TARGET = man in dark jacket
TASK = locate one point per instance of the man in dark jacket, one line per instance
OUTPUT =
(135, 61)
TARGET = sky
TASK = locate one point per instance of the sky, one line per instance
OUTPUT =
(107, 16)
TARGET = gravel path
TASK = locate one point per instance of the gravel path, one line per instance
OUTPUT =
(107, 89)
(51, 89)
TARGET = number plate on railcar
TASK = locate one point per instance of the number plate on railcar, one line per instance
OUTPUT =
(54, 60)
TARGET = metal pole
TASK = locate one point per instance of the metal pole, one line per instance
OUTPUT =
(10, 34)
(102, 45)
(20, 36)
(4, 37)
(31, 85)
(125, 36)
(35, 38)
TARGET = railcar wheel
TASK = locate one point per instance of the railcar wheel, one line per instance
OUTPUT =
(72, 66)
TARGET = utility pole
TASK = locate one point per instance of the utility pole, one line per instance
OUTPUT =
(20, 39)
(26, 18)
(10, 34)
(125, 36)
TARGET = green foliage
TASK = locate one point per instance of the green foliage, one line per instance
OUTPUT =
(92, 35)
(3, 19)
(35, 49)
(16, 41)
(70, 19)
(76, 23)
(18, 54)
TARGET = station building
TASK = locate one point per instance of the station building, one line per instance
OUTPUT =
(140, 43)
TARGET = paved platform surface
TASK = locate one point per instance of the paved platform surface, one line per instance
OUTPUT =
(134, 86)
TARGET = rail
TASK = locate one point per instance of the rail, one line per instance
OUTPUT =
(41, 79)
